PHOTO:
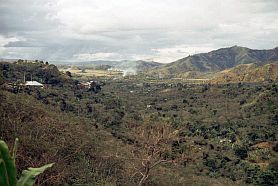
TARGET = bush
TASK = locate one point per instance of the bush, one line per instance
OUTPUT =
(252, 173)
(268, 178)
(241, 152)
(212, 164)
(273, 166)
(275, 148)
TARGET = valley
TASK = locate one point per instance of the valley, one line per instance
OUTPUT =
(139, 93)
(190, 131)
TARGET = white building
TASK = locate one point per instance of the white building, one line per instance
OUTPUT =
(33, 83)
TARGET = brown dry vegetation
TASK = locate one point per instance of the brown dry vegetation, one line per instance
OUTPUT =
(247, 73)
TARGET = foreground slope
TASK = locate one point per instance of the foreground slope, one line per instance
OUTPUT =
(47, 135)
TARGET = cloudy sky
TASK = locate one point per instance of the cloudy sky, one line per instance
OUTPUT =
(159, 30)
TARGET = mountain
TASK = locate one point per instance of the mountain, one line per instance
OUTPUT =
(248, 73)
(135, 65)
(218, 60)
(7, 60)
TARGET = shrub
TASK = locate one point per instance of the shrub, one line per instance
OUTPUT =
(275, 148)
(241, 152)
(273, 165)
(268, 178)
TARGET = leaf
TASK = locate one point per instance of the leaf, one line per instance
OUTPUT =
(28, 177)
(7, 166)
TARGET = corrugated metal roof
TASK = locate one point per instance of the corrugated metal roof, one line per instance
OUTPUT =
(33, 83)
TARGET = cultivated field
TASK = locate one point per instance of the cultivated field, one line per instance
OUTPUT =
(92, 73)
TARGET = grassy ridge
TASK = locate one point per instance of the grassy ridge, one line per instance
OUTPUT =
(247, 73)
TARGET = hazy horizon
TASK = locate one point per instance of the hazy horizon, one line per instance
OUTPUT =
(160, 31)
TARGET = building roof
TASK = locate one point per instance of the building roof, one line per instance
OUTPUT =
(33, 83)
(86, 83)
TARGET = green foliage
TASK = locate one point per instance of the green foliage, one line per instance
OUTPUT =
(252, 173)
(212, 164)
(241, 152)
(8, 169)
(273, 166)
(268, 178)
(7, 166)
(1, 78)
(48, 74)
(28, 176)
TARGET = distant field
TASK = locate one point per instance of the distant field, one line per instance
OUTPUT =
(93, 73)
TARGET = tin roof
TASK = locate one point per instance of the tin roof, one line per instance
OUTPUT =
(33, 83)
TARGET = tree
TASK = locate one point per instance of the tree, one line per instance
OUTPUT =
(68, 73)
(241, 152)
(275, 148)
(95, 87)
(154, 144)
(1, 78)
(268, 178)
(274, 120)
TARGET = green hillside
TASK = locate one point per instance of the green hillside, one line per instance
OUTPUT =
(218, 60)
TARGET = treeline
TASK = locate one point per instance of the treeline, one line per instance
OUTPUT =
(42, 72)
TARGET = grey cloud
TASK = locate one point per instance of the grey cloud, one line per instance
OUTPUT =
(265, 6)
(23, 44)
(24, 16)
(58, 31)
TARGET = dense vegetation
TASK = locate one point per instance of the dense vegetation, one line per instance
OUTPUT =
(139, 130)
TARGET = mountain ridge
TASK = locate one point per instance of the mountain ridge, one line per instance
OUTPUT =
(217, 60)
(126, 65)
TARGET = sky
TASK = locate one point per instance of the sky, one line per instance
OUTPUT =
(151, 30)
